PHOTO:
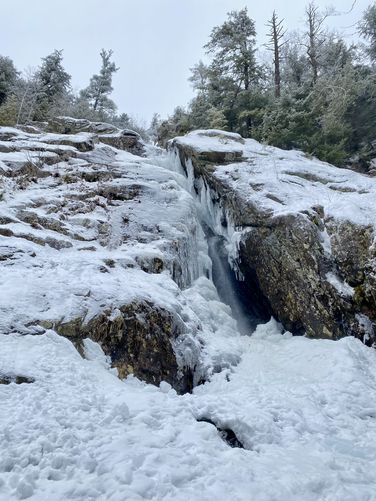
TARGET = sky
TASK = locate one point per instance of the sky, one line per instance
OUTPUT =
(155, 42)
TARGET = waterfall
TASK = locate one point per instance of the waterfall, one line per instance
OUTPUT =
(218, 245)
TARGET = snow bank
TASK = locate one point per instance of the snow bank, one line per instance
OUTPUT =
(302, 408)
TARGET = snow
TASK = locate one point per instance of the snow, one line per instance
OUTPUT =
(342, 287)
(213, 140)
(287, 182)
(303, 409)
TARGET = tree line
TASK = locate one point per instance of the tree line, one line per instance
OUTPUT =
(317, 93)
(45, 92)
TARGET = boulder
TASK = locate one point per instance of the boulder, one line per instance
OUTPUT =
(127, 140)
(69, 125)
(139, 339)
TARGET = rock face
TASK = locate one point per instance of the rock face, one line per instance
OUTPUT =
(138, 337)
(304, 231)
(127, 140)
(94, 243)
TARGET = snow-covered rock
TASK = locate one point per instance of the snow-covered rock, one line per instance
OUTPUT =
(296, 222)
(122, 139)
(106, 247)
(99, 244)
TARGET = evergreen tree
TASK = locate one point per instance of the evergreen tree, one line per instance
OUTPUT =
(234, 70)
(233, 46)
(217, 119)
(54, 86)
(100, 86)
(8, 77)
(367, 28)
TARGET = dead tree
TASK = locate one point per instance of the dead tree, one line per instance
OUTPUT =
(276, 34)
(315, 38)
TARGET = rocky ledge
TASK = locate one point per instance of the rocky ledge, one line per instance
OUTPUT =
(302, 232)
(96, 242)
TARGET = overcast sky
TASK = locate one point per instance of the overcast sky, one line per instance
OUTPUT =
(155, 42)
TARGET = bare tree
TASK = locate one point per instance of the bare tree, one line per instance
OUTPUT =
(28, 91)
(315, 20)
(276, 34)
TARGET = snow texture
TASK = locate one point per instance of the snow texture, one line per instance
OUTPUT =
(285, 182)
(303, 409)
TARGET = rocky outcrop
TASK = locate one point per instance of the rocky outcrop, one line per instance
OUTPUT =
(127, 140)
(305, 232)
(87, 241)
(139, 338)
(69, 125)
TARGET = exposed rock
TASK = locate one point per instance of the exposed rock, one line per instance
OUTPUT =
(13, 378)
(69, 125)
(313, 265)
(226, 149)
(139, 339)
(82, 141)
(127, 140)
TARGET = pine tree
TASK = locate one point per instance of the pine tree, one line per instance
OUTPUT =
(100, 86)
(233, 48)
(217, 119)
(367, 28)
(8, 111)
(234, 70)
(54, 86)
(8, 77)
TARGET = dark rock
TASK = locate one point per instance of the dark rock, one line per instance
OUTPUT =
(13, 378)
(284, 259)
(125, 140)
(226, 434)
(139, 341)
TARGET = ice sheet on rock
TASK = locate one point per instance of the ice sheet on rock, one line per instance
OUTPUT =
(342, 287)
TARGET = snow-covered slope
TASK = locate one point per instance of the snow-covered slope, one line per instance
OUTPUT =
(106, 245)
(303, 409)
(284, 182)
